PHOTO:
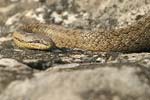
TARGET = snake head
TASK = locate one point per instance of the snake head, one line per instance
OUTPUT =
(32, 40)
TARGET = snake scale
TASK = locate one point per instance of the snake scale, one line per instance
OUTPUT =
(133, 38)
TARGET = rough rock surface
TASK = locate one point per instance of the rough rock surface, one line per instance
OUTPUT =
(95, 82)
(71, 74)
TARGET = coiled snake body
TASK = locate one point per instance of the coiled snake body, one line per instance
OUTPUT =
(133, 38)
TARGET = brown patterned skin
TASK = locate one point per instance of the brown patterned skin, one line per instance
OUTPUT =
(134, 38)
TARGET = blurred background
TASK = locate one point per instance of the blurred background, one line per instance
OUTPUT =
(71, 74)
(84, 14)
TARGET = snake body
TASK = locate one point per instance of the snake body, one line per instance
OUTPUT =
(133, 38)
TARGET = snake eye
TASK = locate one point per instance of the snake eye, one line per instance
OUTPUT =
(42, 41)
(36, 41)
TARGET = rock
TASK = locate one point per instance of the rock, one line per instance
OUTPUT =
(57, 18)
(96, 82)
(11, 70)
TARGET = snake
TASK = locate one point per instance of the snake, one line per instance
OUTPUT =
(132, 38)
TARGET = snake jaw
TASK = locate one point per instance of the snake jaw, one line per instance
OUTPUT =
(32, 41)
